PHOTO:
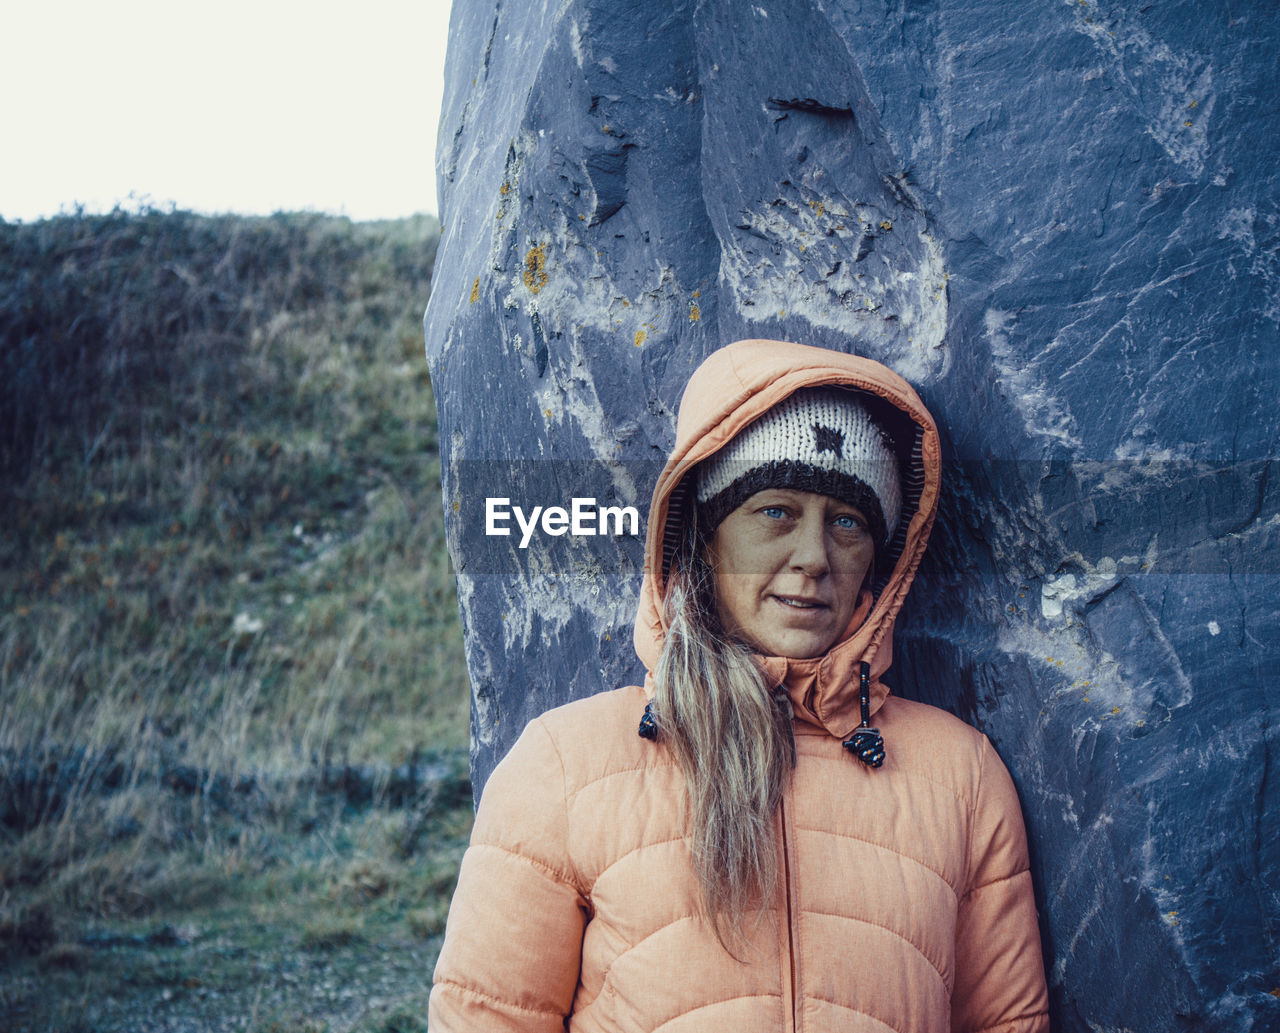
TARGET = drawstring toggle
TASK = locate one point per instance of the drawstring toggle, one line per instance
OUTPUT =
(648, 726)
(866, 743)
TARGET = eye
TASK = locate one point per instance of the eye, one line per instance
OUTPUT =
(774, 512)
(850, 522)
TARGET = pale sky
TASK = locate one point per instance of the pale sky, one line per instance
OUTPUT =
(240, 106)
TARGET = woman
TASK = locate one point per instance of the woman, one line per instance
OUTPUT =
(756, 854)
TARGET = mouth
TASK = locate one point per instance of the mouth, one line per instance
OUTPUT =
(800, 602)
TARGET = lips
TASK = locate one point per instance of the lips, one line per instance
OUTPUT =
(800, 602)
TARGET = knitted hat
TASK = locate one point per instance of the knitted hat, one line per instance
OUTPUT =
(819, 439)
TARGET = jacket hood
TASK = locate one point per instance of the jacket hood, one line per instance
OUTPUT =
(735, 386)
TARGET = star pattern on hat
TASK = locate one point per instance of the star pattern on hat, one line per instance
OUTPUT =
(828, 439)
(819, 439)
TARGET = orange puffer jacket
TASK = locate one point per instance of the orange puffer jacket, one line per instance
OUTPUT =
(905, 901)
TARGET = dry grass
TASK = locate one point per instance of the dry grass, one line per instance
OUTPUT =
(223, 569)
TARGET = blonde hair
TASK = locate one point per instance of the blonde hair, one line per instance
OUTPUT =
(733, 741)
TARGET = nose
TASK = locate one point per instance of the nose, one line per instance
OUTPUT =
(809, 546)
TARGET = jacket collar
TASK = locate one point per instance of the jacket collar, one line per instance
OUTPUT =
(734, 386)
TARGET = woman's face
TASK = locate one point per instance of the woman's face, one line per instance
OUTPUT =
(787, 567)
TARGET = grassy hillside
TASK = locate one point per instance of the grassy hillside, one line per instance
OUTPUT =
(232, 695)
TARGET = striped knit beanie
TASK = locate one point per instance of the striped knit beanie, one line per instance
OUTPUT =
(821, 440)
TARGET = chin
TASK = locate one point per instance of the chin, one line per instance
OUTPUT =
(799, 648)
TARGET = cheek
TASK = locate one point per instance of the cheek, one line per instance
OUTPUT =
(737, 597)
(729, 593)
(856, 571)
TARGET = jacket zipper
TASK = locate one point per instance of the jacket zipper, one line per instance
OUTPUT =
(786, 892)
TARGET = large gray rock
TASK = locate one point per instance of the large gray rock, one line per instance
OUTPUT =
(1060, 222)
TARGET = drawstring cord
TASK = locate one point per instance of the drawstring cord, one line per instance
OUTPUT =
(866, 743)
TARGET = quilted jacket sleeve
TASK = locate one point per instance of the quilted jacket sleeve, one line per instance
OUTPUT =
(1000, 984)
(513, 942)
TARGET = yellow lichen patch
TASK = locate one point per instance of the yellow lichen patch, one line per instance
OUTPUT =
(1187, 122)
(886, 225)
(1115, 710)
(695, 313)
(475, 291)
(546, 413)
(817, 207)
(640, 336)
(697, 294)
(456, 505)
(505, 189)
(1194, 104)
(535, 268)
